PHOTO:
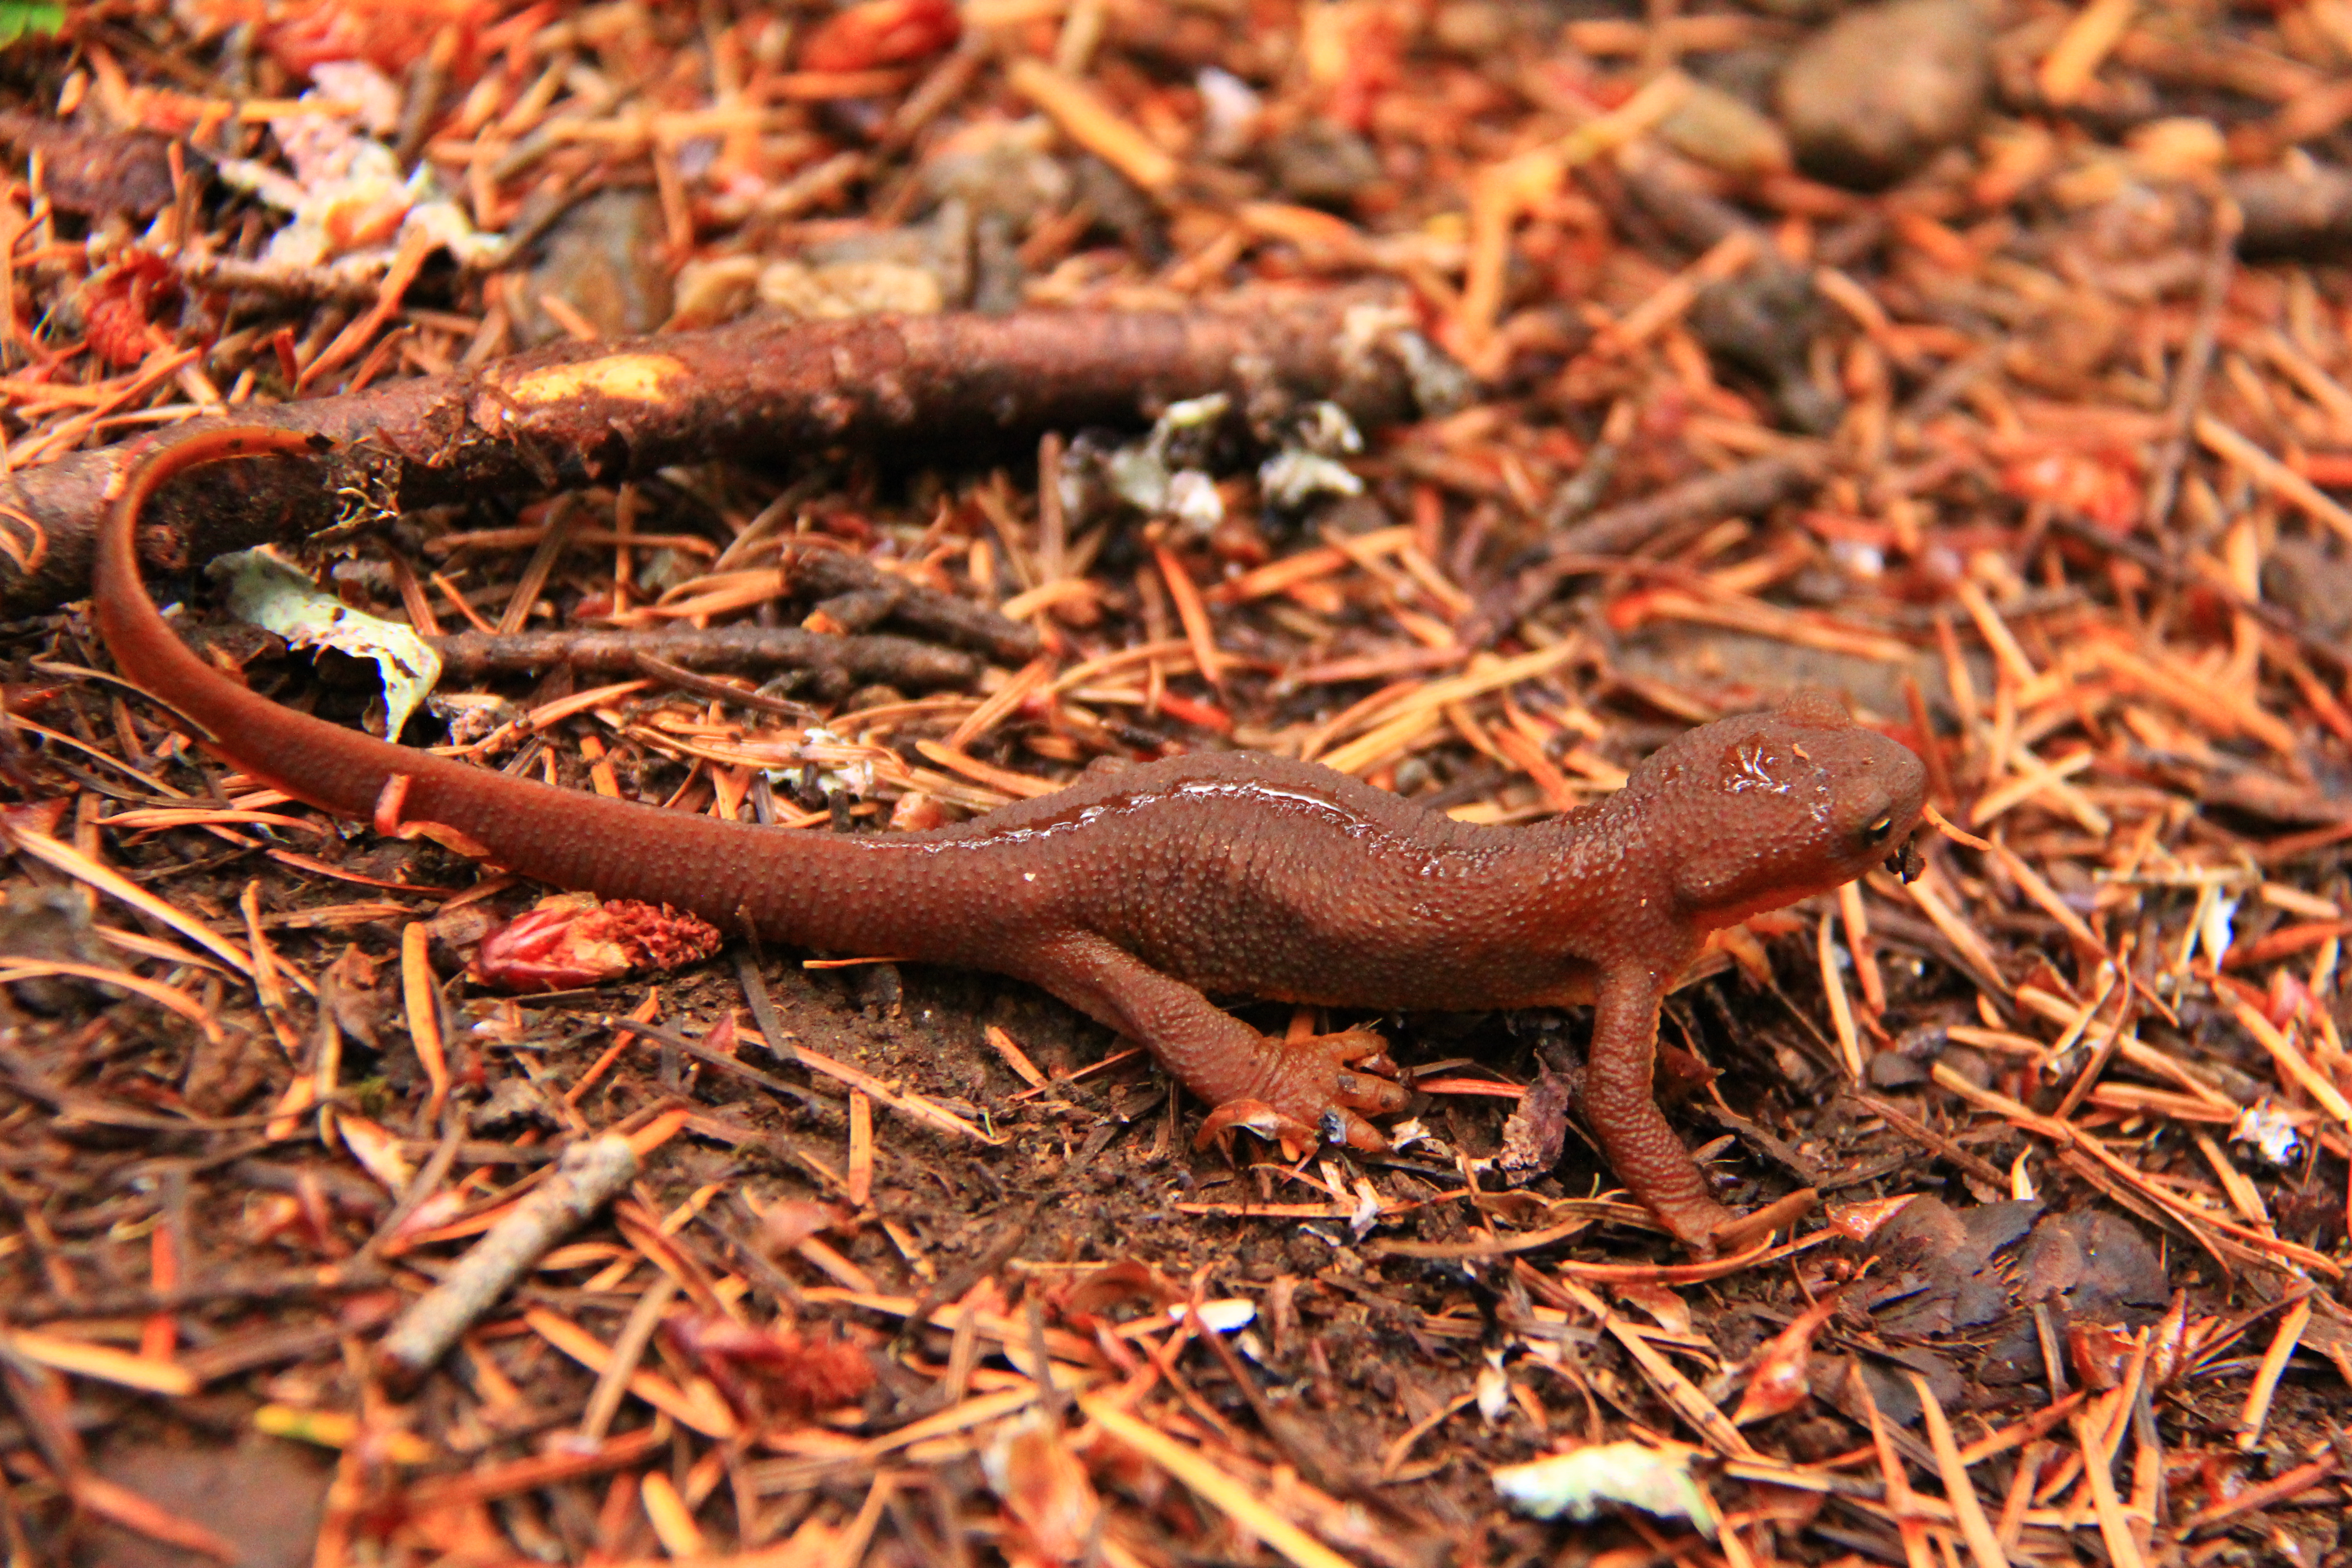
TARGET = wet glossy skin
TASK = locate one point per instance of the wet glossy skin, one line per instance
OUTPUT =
(1136, 896)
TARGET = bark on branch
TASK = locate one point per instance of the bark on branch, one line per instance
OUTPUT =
(581, 414)
(745, 649)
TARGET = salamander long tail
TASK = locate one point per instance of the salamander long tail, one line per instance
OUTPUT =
(732, 873)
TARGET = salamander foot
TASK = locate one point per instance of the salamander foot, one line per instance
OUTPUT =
(1699, 1224)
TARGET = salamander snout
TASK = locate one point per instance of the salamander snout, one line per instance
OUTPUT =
(1876, 788)
(1889, 790)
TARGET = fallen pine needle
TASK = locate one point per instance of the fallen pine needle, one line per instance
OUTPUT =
(79, 1358)
(2292, 1324)
(1213, 1486)
(154, 991)
(121, 1506)
(2115, 1527)
(2066, 1135)
(909, 1105)
(2272, 475)
(1958, 1489)
(2294, 1065)
(422, 997)
(1841, 1007)
(705, 1414)
(488, 1483)
(62, 856)
(1022, 786)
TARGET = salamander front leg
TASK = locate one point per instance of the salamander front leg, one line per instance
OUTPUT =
(1622, 1111)
(1212, 1053)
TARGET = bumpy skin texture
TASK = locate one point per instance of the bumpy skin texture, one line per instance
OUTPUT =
(1133, 897)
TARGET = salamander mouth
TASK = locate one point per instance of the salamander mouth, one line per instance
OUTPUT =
(1904, 862)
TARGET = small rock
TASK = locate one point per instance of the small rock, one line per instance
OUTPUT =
(1355, 516)
(1763, 323)
(1723, 131)
(913, 271)
(1871, 96)
(1322, 164)
(2312, 583)
(1003, 167)
(1121, 208)
(1892, 1069)
(847, 288)
(263, 1495)
(44, 924)
(1473, 28)
(1747, 74)
(1230, 108)
(605, 261)
(715, 289)
(941, 245)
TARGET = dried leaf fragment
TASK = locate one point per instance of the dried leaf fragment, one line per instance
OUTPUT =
(1578, 1485)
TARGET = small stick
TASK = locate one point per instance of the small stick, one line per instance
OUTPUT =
(684, 680)
(1748, 490)
(2196, 359)
(587, 1176)
(2162, 567)
(830, 572)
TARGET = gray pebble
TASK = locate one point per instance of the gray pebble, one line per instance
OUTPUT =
(1871, 97)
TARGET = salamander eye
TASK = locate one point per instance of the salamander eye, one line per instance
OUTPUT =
(1877, 833)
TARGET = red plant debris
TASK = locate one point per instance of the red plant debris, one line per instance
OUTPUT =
(879, 33)
(577, 939)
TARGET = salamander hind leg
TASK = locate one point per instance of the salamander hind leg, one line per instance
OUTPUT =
(1212, 1053)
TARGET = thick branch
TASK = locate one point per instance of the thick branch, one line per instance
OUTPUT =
(580, 413)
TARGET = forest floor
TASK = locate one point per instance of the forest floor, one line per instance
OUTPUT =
(1586, 373)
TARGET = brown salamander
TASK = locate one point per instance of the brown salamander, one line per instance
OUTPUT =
(1135, 897)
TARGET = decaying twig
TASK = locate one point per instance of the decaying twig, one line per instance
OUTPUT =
(681, 679)
(2157, 563)
(2196, 359)
(943, 615)
(1752, 488)
(586, 1177)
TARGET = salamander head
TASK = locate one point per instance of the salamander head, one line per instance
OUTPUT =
(1762, 810)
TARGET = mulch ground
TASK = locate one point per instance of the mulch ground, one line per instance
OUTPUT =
(1558, 399)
